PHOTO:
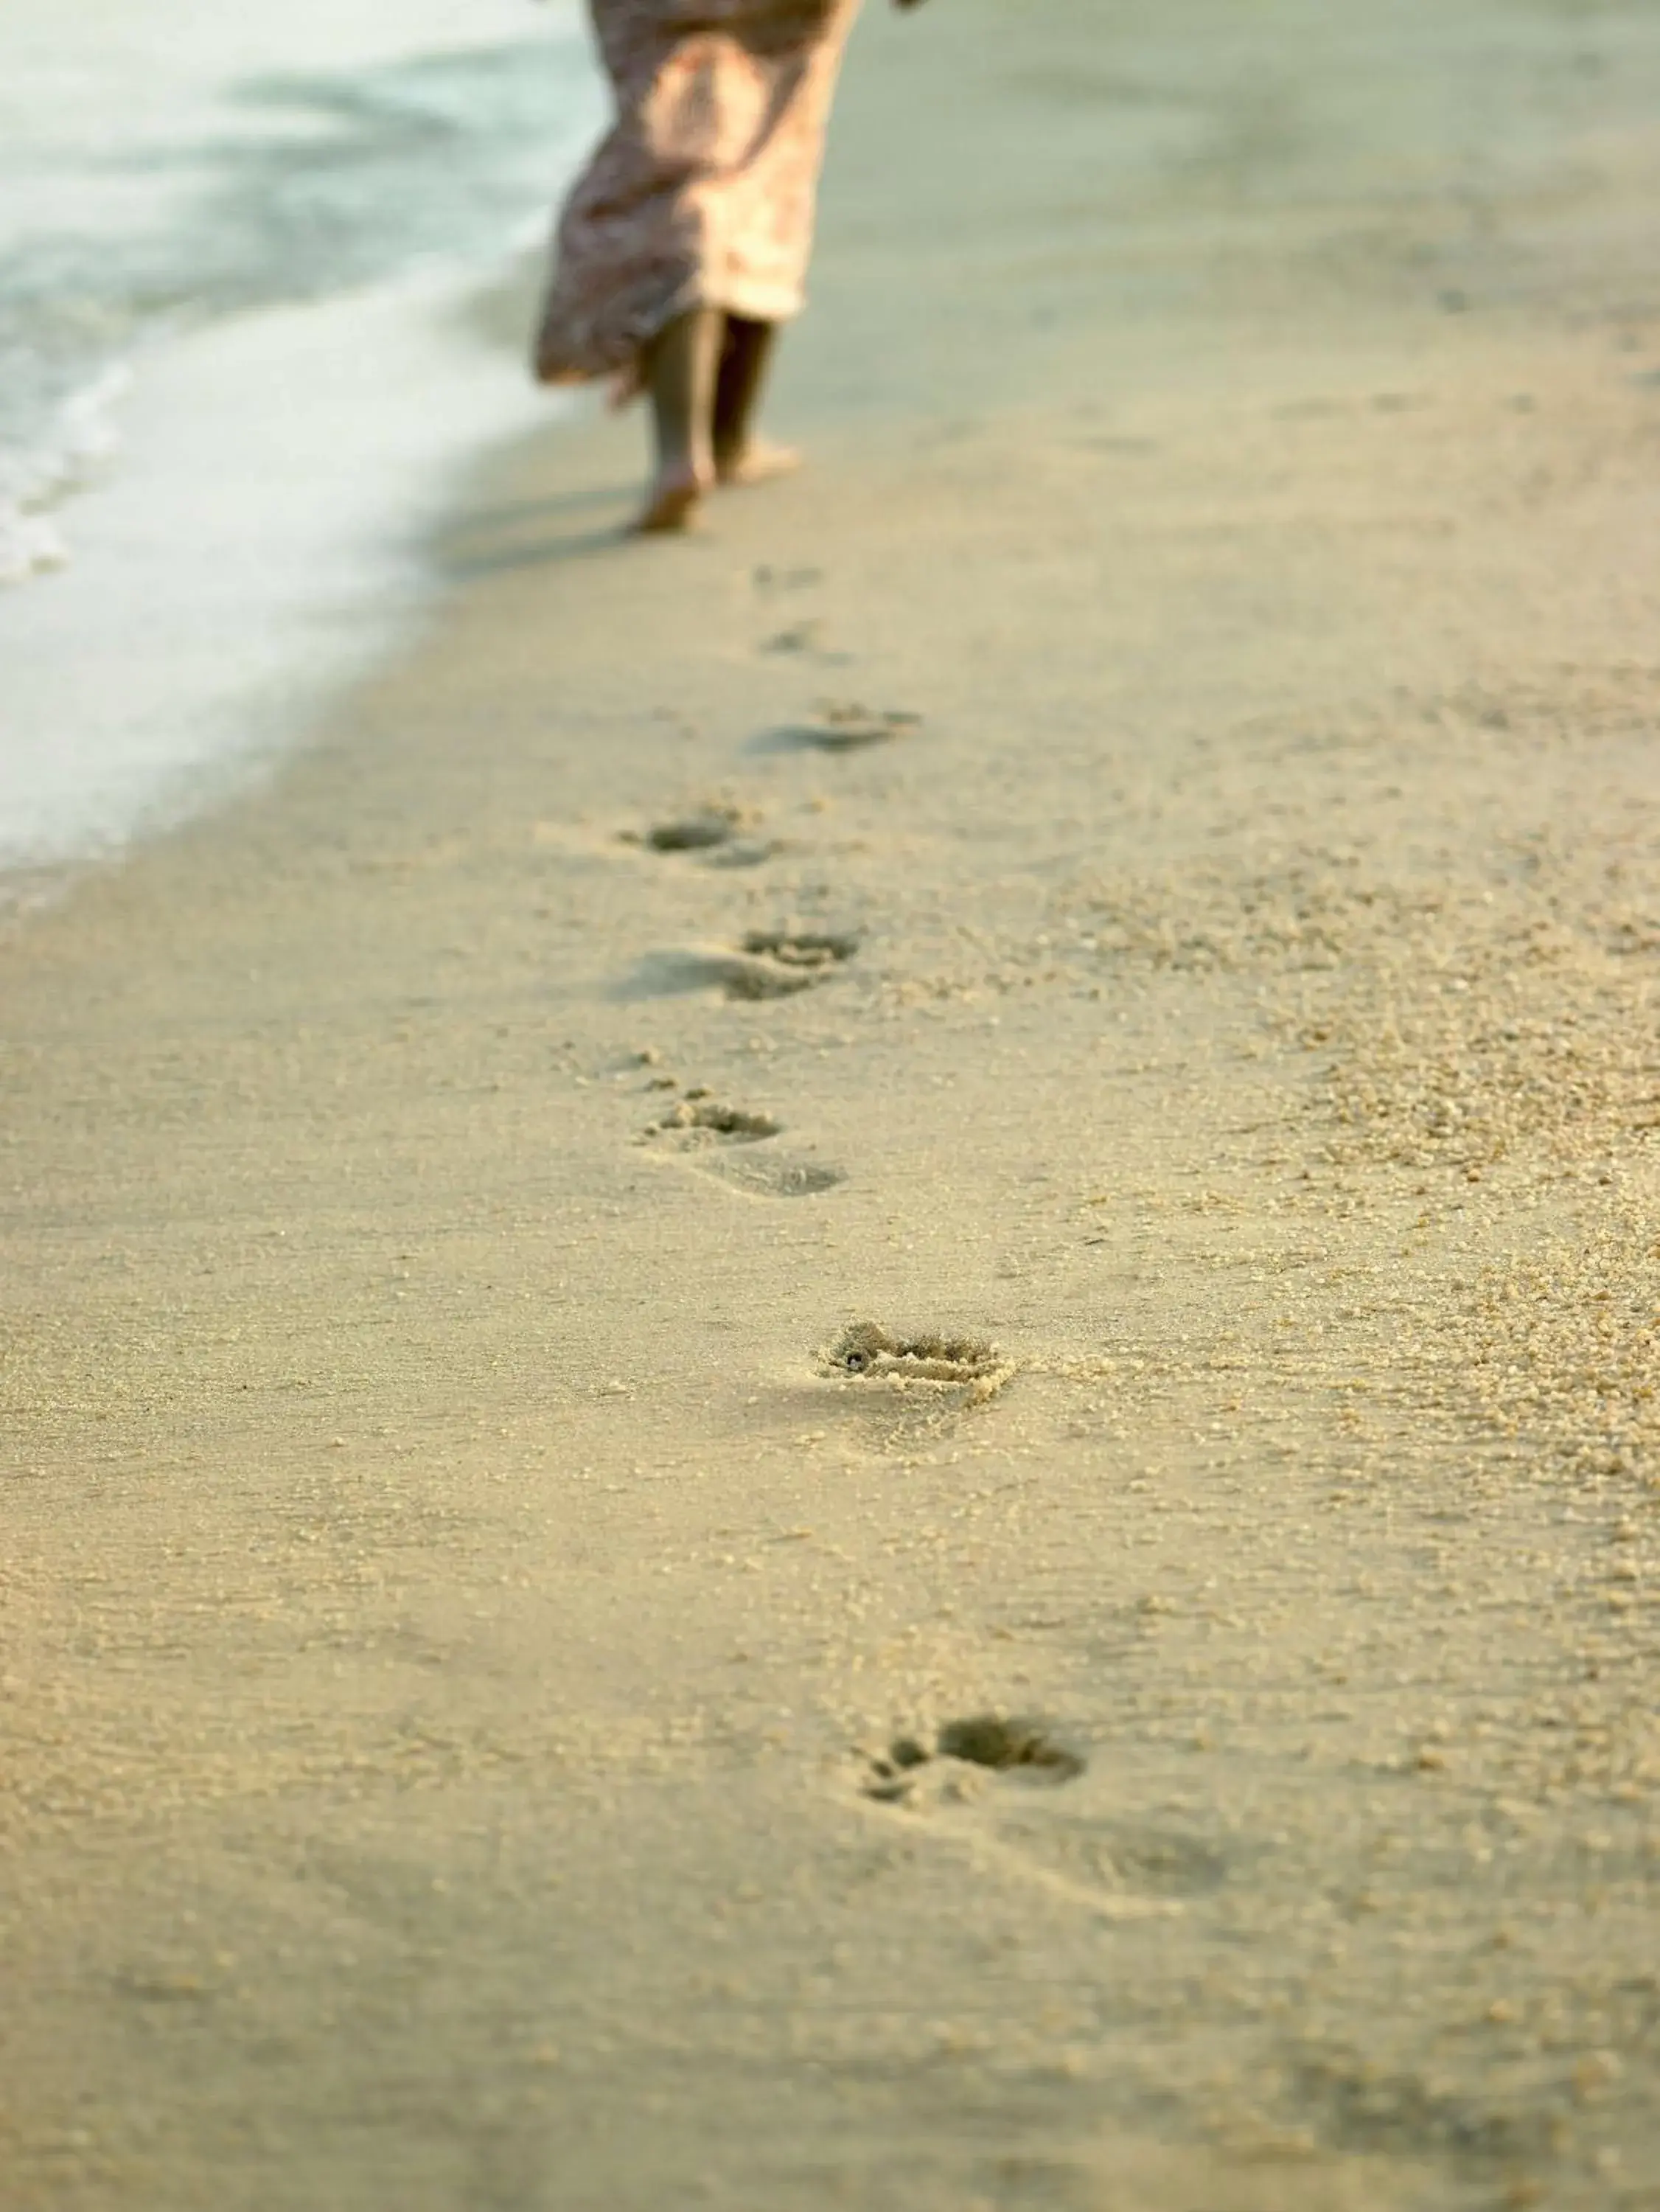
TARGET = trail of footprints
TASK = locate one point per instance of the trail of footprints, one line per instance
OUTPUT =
(719, 1139)
(941, 1778)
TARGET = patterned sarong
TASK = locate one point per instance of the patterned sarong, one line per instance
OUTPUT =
(702, 193)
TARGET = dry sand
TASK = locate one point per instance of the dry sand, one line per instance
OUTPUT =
(458, 1630)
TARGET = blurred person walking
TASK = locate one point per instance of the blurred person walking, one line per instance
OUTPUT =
(685, 243)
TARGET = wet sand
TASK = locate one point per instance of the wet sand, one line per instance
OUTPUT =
(492, 1711)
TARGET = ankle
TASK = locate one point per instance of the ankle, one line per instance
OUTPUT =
(682, 469)
(697, 462)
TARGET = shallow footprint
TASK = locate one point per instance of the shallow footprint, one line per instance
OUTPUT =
(843, 726)
(715, 832)
(745, 853)
(746, 975)
(801, 637)
(772, 1176)
(721, 1141)
(971, 1783)
(692, 833)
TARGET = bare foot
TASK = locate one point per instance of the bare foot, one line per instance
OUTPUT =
(758, 464)
(672, 502)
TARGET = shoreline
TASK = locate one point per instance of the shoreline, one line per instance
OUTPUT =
(152, 183)
(488, 1705)
(291, 474)
(298, 357)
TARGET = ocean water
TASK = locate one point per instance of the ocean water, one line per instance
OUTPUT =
(235, 377)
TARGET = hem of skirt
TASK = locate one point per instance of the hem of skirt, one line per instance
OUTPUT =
(758, 305)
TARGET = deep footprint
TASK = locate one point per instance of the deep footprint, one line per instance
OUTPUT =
(865, 1351)
(809, 949)
(994, 1742)
(697, 1119)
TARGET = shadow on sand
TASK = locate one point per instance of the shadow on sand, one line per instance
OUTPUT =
(495, 540)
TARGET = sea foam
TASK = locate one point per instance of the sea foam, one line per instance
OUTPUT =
(235, 378)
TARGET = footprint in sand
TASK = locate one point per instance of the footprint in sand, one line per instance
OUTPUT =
(844, 726)
(717, 833)
(769, 580)
(981, 1784)
(717, 1139)
(813, 952)
(772, 964)
(697, 1118)
(776, 1177)
(996, 1743)
(801, 637)
(865, 1352)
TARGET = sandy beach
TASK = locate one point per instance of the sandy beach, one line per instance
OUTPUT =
(1143, 857)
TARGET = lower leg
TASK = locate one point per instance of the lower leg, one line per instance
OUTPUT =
(682, 365)
(745, 357)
